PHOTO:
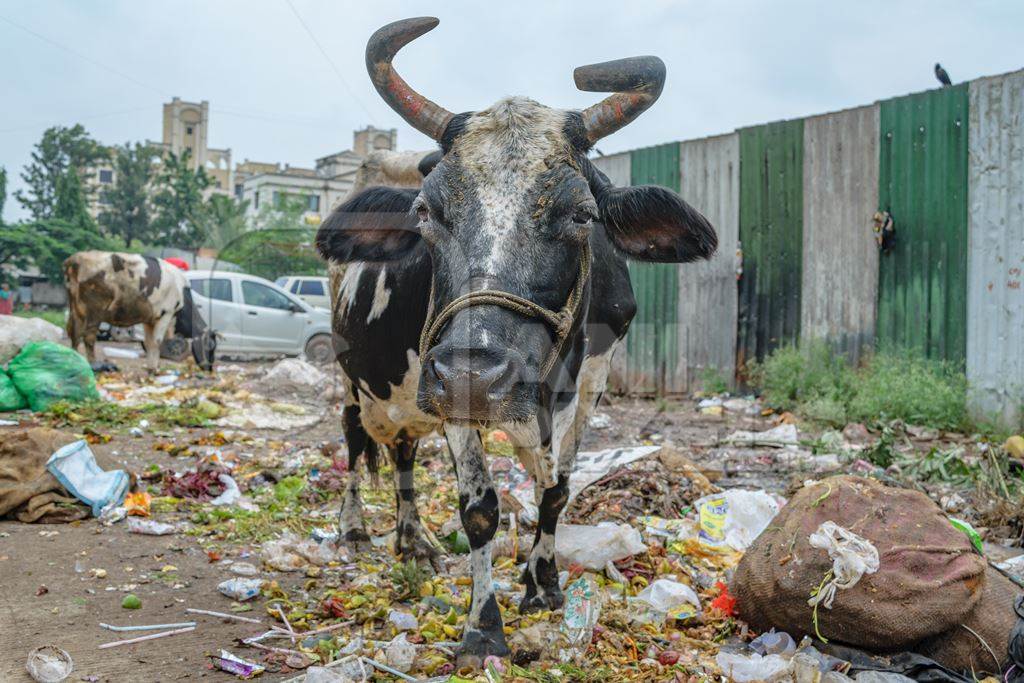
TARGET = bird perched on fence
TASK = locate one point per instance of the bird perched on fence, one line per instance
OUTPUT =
(943, 77)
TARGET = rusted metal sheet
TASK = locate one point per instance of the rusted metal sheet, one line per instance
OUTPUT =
(652, 345)
(922, 283)
(995, 293)
(710, 182)
(771, 237)
(618, 168)
(839, 284)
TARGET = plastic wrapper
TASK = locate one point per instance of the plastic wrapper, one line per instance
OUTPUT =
(74, 466)
(735, 518)
(241, 589)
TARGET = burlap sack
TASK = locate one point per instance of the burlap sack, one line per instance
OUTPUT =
(929, 581)
(28, 492)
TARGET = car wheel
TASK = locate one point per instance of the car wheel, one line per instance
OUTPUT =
(319, 349)
(174, 349)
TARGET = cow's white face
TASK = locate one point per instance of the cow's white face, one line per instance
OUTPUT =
(506, 209)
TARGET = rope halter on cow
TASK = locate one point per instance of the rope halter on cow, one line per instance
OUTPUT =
(561, 321)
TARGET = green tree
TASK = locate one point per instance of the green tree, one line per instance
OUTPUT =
(61, 151)
(17, 242)
(70, 203)
(57, 238)
(180, 219)
(225, 219)
(3, 192)
(281, 242)
(126, 215)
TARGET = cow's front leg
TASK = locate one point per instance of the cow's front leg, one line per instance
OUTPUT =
(478, 508)
(549, 461)
(541, 575)
(410, 539)
(351, 528)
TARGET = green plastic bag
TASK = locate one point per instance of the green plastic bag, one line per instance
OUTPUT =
(46, 372)
(10, 399)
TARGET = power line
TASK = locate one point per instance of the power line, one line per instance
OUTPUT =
(142, 84)
(334, 67)
(33, 126)
(87, 58)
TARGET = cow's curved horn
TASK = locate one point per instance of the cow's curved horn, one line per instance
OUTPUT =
(637, 84)
(422, 114)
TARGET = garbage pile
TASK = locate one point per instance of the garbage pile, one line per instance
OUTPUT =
(670, 570)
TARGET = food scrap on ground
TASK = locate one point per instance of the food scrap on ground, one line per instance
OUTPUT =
(230, 520)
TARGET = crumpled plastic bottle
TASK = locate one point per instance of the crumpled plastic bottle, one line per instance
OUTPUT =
(582, 610)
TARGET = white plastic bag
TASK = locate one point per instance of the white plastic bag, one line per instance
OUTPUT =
(74, 466)
(595, 546)
(666, 598)
(753, 667)
(852, 557)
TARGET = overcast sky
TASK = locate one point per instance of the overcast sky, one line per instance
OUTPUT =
(275, 96)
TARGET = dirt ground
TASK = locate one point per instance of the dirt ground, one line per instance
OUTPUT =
(49, 592)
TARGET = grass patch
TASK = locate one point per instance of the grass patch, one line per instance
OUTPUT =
(824, 388)
(55, 317)
(713, 382)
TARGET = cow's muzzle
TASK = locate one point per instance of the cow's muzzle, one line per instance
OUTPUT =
(482, 385)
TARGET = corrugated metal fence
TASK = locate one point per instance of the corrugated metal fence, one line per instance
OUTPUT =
(796, 198)
(840, 259)
(995, 293)
(771, 237)
(922, 289)
(653, 343)
(710, 182)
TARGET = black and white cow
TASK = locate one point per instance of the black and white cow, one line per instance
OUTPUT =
(494, 296)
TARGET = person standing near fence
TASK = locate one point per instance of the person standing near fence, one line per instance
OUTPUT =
(6, 300)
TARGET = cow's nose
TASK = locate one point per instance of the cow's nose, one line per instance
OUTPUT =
(470, 384)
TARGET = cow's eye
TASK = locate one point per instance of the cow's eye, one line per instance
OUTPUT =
(423, 213)
(582, 216)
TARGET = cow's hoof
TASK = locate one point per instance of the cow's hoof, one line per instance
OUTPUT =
(356, 539)
(478, 646)
(420, 549)
(541, 602)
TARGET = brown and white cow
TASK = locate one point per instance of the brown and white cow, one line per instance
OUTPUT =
(494, 296)
(129, 289)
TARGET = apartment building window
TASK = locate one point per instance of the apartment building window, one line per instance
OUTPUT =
(238, 191)
(313, 202)
(103, 198)
(256, 199)
(188, 130)
(106, 176)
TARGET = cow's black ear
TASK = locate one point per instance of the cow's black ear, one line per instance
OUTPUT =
(428, 162)
(374, 225)
(651, 223)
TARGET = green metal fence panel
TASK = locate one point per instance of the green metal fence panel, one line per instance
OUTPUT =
(922, 288)
(652, 344)
(771, 237)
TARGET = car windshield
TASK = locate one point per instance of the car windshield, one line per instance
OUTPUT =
(312, 288)
(256, 294)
